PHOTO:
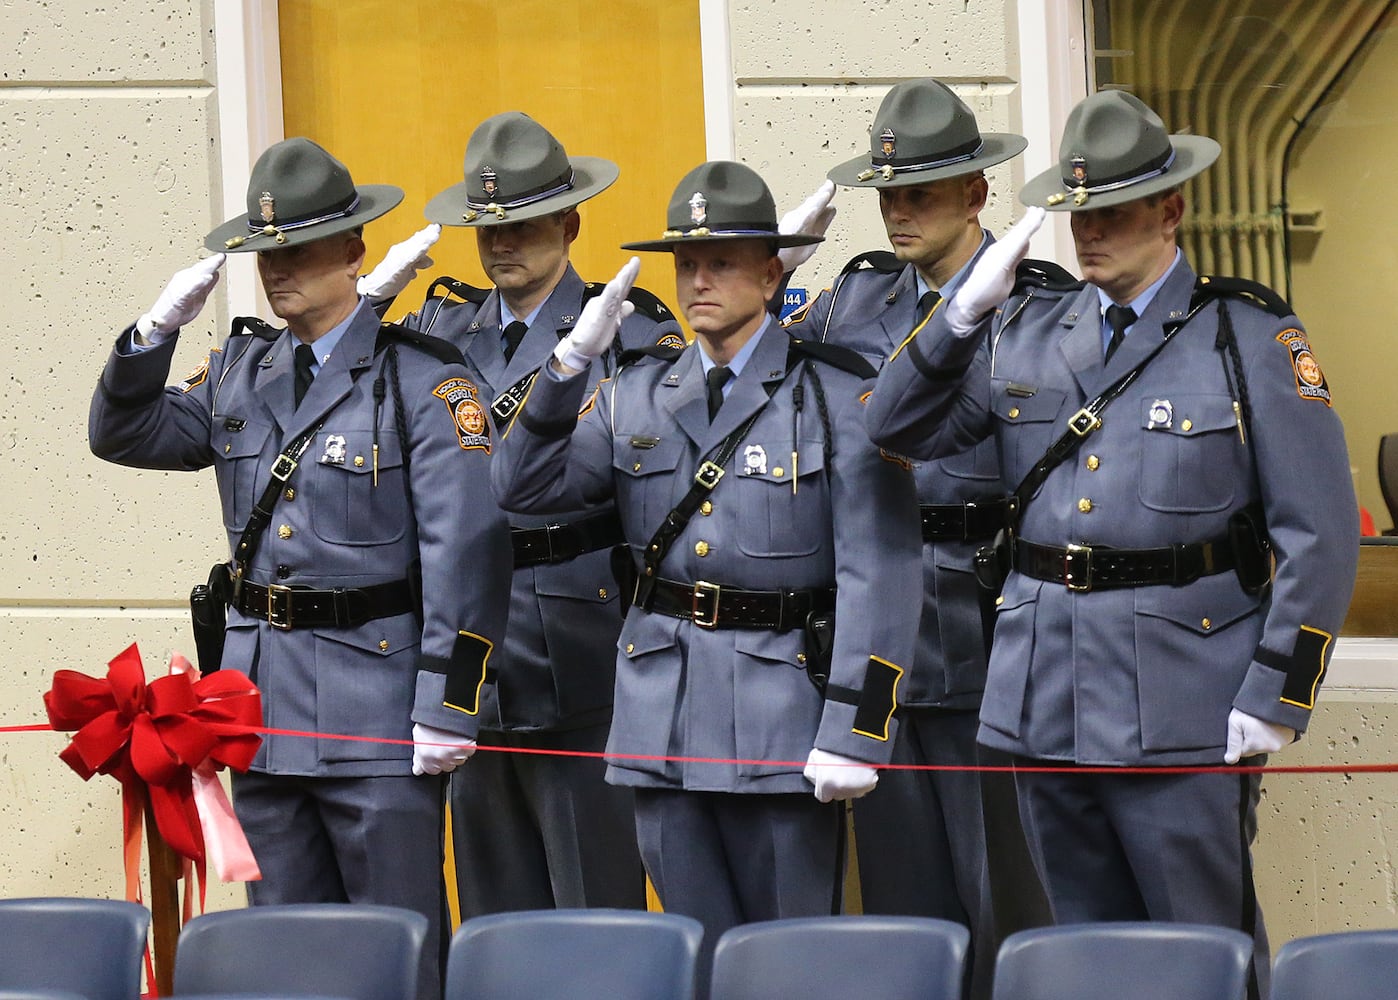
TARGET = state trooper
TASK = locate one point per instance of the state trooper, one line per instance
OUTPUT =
(352, 462)
(921, 842)
(1141, 621)
(728, 467)
(558, 835)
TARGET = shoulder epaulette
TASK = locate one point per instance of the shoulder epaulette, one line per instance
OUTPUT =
(1211, 287)
(835, 356)
(659, 352)
(647, 304)
(255, 327)
(463, 291)
(883, 261)
(1033, 273)
(443, 350)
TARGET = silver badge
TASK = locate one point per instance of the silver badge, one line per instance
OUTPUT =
(698, 208)
(1162, 414)
(334, 453)
(754, 460)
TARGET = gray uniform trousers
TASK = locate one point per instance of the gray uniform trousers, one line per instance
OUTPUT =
(530, 830)
(1145, 675)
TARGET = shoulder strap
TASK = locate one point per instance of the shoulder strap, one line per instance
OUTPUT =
(1033, 273)
(443, 350)
(834, 355)
(459, 288)
(282, 468)
(647, 303)
(883, 261)
(254, 326)
(1209, 287)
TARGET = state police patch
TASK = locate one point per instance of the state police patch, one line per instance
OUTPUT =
(467, 413)
(1310, 380)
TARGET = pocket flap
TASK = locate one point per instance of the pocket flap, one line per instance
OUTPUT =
(644, 455)
(353, 451)
(384, 636)
(1009, 403)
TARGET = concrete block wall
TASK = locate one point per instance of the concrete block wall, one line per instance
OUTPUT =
(108, 174)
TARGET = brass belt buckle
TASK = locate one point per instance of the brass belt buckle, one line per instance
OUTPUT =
(704, 591)
(1077, 568)
(279, 617)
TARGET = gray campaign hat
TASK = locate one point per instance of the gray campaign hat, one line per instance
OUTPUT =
(1115, 149)
(516, 170)
(721, 200)
(298, 193)
(923, 132)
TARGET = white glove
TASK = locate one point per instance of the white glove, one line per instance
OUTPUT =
(810, 218)
(183, 297)
(993, 278)
(1249, 735)
(600, 320)
(399, 266)
(838, 778)
(436, 751)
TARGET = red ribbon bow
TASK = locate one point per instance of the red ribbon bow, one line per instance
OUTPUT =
(151, 736)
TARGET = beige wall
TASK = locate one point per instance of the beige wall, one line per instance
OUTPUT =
(108, 181)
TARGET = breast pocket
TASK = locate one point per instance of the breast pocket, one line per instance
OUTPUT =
(350, 504)
(1191, 453)
(645, 468)
(241, 474)
(778, 518)
(1027, 425)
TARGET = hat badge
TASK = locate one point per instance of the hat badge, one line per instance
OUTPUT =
(488, 179)
(698, 208)
(268, 206)
(888, 141)
(1078, 164)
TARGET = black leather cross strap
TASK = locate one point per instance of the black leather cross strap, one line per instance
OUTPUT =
(975, 520)
(1099, 567)
(301, 607)
(711, 605)
(556, 543)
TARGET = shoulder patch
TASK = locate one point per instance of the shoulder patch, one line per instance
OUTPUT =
(835, 356)
(467, 414)
(444, 351)
(671, 342)
(463, 291)
(1044, 274)
(1210, 286)
(1310, 380)
(196, 377)
(255, 327)
(592, 398)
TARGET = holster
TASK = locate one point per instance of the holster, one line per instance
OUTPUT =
(1252, 549)
(624, 572)
(208, 612)
(819, 633)
(992, 562)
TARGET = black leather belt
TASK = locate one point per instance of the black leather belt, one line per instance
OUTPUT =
(710, 605)
(302, 607)
(1099, 567)
(973, 521)
(556, 543)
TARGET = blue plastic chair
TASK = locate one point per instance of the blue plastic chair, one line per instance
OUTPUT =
(1108, 961)
(351, 950)
(1356, 965)
(572, 954)
(890, 957)
(88, 947)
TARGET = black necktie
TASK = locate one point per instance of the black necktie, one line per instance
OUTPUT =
(927, 303)
(1120, 317)
(305, 357)
(717, 378)
(514, 333)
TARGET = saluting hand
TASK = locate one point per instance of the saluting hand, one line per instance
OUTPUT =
(399, 266)
(183, 297)
(993, 278)
(600, 320)
(810, 218)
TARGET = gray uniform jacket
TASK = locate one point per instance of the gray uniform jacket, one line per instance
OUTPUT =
(556, 668)
(871, 311)
(333, 527)
(684, 691)
(1144, 675)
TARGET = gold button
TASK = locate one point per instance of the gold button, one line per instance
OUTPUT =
(602, 592)
(383, 645)
(1085, 505)
(284, 531)
(227, 448)
(778, 472)
(1092, 462)
(701, 548)
(1187, 425)
(1206, 624)
(999, 601)
(800, 657)
(289, 494)
(636, 467)
(1014, 412)
(706, 508)
(359, 461)
(631, 647)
